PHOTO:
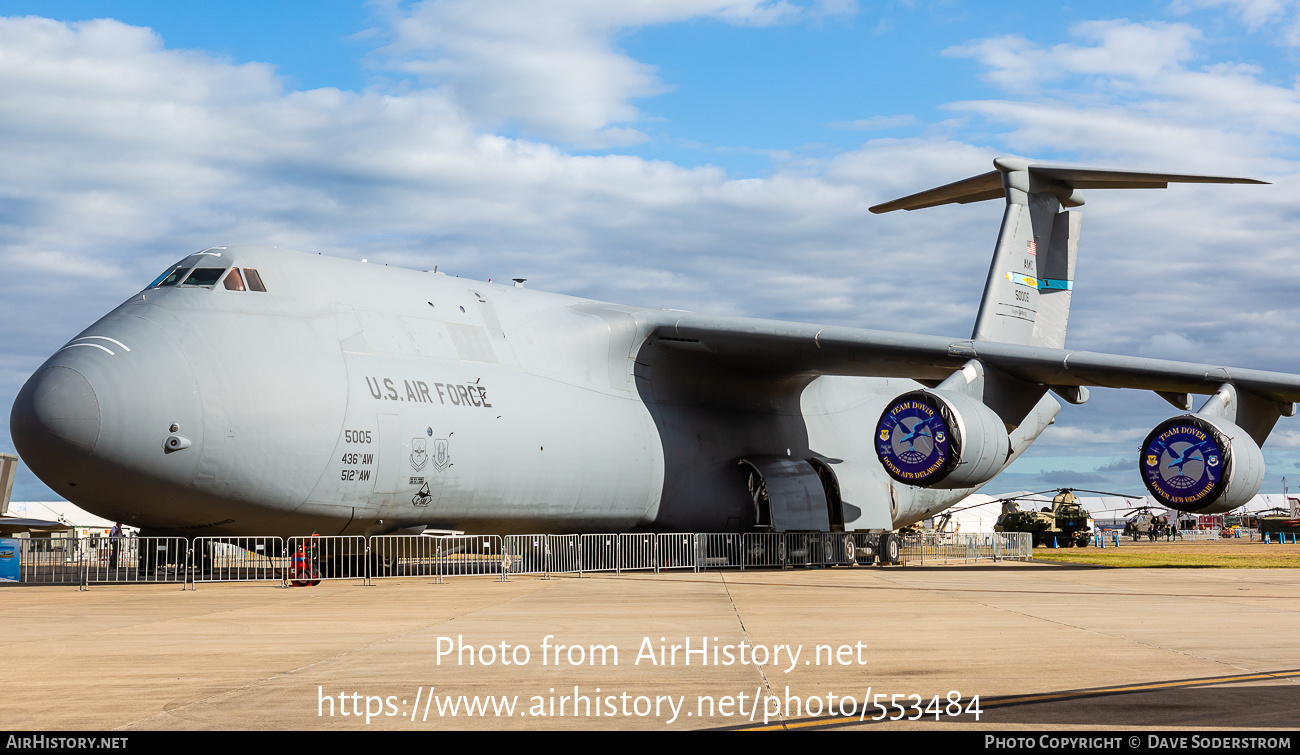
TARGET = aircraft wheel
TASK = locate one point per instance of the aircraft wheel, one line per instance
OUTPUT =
(866, 555)
(889, 549)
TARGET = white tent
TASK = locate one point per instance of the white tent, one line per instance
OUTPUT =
(58, 511)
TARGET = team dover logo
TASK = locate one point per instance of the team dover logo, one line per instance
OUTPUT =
(1182, 463)
(913, 441)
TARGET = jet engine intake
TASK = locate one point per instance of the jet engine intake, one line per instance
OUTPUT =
(940, 439)
(1201, 464)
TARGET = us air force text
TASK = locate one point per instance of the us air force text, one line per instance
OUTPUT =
(420, 392)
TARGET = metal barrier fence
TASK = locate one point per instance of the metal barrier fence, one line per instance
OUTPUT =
(238, 559)
(564, 555)
(405, 556)
(304, 561)
(1114, 538)
(803, 549)
(318, 557)
(601, 553)
(1105, 539)
(436, 556)
(526, 554)
(676, 551)
(820, 549)
(936, 547)
(470, 554)
(764, 549)
(844, 546)
(55, 560)
(720, 551)
(154, 559)
(103, 560)
(638, 553)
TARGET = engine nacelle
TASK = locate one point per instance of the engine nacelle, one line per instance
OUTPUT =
(1201, 464)
(941, 439)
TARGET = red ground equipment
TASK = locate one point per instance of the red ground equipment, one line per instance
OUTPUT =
(305, 573)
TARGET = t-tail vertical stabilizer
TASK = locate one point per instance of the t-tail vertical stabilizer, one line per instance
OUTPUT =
(1031, 278)
(1027, 296)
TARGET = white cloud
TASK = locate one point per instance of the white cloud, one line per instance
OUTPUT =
(1174, 346)
(1121, 49)
(1192, 273)
(1211, 287)
(1253, 13)
(1092, 436)
(1280, 16)
(153, 153)
(1284, 437)
(552, 68)
(121, 156)
(875, 123)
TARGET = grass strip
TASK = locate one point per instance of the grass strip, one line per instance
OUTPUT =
(1134, 558)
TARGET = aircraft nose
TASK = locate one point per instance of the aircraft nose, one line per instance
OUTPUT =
(91, 421)
(56, 416)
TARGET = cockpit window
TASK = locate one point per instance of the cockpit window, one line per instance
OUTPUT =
(254, 280)
(204, 276)
(171, 277)
(233, 281)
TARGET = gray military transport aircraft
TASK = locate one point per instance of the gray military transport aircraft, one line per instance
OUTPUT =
(258, 391)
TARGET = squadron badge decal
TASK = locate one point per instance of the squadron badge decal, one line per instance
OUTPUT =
(419, 453)
(441, 455)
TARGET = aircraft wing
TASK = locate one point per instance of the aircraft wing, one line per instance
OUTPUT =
(777, 348)
(12, 525)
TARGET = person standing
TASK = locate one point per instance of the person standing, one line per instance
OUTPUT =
(115, 545)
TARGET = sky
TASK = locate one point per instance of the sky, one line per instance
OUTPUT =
(709, 155)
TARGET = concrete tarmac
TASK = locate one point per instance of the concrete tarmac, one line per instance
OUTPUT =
(1043, 646)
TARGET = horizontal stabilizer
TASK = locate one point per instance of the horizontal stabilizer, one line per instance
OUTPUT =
(1103, 178)
(1056, 179)
(974, 189)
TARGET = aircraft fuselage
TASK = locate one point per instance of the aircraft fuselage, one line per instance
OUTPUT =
(352, 398)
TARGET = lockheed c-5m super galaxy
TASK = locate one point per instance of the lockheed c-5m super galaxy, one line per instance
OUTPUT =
(253, 390)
